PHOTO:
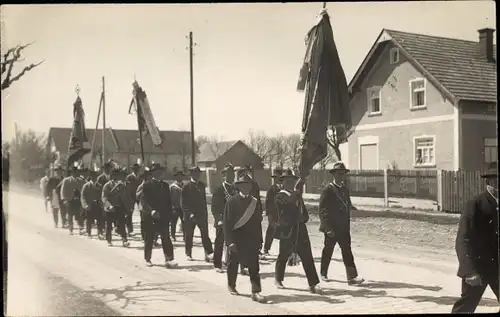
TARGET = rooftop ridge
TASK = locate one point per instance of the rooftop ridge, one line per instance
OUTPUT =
(433, 36)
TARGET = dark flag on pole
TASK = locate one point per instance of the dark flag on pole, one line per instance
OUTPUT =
(145, 120)
(326, 93)
(78, 143)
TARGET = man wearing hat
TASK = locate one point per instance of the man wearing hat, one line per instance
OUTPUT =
(291, 230)
(145, 177)
(157, 210)
(477, 245)
(242, 223)
(70, 194)
(105, 176)
(92, 205)
(133, 182)
(219, 200)
(116, 202)
(194, 207)
(54, 195)
(271, 211)
(334, 212)
(175, 194)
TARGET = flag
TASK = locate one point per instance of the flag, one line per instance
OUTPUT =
(145, 120)
(326, 94)
(78, 142)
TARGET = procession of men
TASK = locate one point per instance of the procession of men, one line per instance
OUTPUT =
(107, 201)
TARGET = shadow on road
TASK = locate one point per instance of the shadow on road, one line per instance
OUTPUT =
(197, 268)
(362, 292)
(140, 293)
(295, 298)
(264, 275)
(448, 300)
(386, 284)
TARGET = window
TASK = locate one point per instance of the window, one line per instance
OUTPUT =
(424, 151)
(394, 55)
(373, 94)
(490, 150)
(417, 93)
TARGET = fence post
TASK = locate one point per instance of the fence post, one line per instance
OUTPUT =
(439, 184)
(207, 172)
(386, 188)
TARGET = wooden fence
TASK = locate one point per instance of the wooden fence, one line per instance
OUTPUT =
(459, 187)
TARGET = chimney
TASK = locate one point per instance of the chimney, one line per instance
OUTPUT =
(486, 43)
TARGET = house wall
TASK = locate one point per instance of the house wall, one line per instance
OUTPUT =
(395, 97)
(396, 144)
(473, 134)
(239, 155)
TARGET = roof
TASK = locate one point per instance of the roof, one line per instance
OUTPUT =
(128, 140)
(210, 152)
(455, 66)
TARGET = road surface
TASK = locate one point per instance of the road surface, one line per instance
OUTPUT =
(52, 273)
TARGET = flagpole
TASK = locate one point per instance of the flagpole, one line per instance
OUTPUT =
(324, 5)
(193, 153)
(103, 120)
(95, 132)
(138, 111)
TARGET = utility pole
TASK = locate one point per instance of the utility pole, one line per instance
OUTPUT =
(193, 152)
(103, 120)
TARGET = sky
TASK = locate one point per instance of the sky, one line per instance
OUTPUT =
(246, 59)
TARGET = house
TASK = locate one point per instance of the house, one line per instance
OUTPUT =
(124, 147)
(425, 102)
(216, 155)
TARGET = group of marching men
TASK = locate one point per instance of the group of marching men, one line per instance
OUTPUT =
(107, 201)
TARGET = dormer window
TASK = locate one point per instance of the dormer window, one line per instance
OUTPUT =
(394, 55)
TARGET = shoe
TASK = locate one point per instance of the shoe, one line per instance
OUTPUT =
(89, 235)
(244, 271)
(126, 244)
(174, 239)
(171, 264)
(232, 290)
(149, 264)
(219, 270)
(71, 232)
(110, 244)
(101, 236)
(262, 257)
(189, 258)
(316, 289)
(82, 231)
(256, 297)
(355, 281)
(209, 258)
(130, 235)
(279, 284)
(324, 278)
(55, 226)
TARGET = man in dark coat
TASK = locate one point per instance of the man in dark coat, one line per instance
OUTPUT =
(242, 223)
(219, 200)
(194, 207)
(477, 246)
(133, 182)
(291, 230)
(54, 196)
(271, 211)
(156, 207)
(334, 213)
(70, 194)
(105, 176)
(176, 194)
(92, 205)
(116, 202)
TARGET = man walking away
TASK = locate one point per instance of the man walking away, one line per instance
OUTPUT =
(54, 195)
(194, 207)
(291, 230)
(335, 222)
(116, 202)
(220, 198)
(92, 205)
(477, 246)
(156, 207)
(43, 188)
(243, 234)
(271, 210)
(70, 193)
(133, 182)
(175, 194)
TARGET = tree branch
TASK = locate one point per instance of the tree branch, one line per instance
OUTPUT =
(6, 83)
(11, 57)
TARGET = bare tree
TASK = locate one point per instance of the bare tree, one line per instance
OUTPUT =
(278, 150)
(292, 149)
(213, 143)
(330, 158)
(9, 59)
(202, 139)
(335, 137)
(260, 143)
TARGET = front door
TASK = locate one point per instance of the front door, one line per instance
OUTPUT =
(368, 157)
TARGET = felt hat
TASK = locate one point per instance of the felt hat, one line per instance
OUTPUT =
(228, 167)
(194, 168)
(338, 166)
(155, 167)
(245, 168)
(135, 166)
(288, 173)
(178, 173)
(277, 173)
(245, 178)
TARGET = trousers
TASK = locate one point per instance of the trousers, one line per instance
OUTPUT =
(253, 270)
(117, 216)
(303, 249)
(344, 240)
(176, 216)
(268, 240)
(95, 215)
(55, 216)
(128, 220)
(471, 295)
(189, 226)
(151, 228)
(218, 247)
(74, 211)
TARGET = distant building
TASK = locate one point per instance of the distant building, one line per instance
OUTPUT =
(124, 147)
(425, 102)
(235, 152)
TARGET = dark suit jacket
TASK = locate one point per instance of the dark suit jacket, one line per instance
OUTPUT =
(256, 193)
(219, 201)
(334, 209)
(291, 212)
(194, 201)
(133, 182)
(477, 238)
(249, 236)
(156, 196)
(271, 210)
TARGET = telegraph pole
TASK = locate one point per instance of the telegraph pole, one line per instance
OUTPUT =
(103, 120)
(193, 152)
